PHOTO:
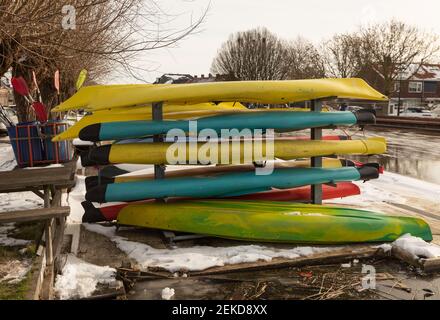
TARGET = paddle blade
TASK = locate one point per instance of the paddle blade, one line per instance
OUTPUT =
(20, 86)
(57, 81)
(81, 79)
(40, 111)
(34, 78)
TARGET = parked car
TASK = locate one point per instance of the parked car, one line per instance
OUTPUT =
(418, 113)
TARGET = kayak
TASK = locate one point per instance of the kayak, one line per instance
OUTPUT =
(279, 121)
(271, 92)
(200, 171)
(264, 221)
(340, 190)
(226, 185)
(170, 112)
(244, 152)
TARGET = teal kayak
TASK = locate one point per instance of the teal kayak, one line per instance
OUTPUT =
(280, 121)
(226, 185)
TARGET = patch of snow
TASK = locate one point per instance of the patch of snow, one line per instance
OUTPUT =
(74, 200)
(79, 279)
(200, 258)
(168, 294)
(14, 271)
(386, 247)
(346, 265)
(51, 166)
(391, 188)
(79, 142)
(7, 158)
(417, 247)
(7, 241)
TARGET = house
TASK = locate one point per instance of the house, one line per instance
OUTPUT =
(418, 86)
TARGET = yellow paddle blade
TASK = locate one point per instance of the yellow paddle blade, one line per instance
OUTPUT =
(81, 79)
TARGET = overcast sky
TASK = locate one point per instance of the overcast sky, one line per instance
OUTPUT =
(313, 19)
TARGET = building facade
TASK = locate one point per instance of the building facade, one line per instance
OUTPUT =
(419, 86)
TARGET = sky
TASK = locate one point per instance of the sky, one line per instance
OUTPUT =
(315, 20)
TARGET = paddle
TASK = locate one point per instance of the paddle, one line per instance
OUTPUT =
(21, 87)
(81, 79)
(57, 84)
(34, 78)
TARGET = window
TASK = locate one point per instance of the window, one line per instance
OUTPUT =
(430, 87)
(415, 87)
(396, 86)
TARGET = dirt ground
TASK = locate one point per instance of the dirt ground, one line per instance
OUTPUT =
(394, 279)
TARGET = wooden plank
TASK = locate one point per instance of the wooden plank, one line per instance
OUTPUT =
(49, 243)
(34, 215)
(23, 179)
(430, 265)
(341, 255)
(59, 237)
(405, 256)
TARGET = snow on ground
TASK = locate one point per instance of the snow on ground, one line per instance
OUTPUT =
(80, 279)
(390, 187)
(168, 294)
(7, 159)
(6, 241)
(14, 271)
(417, 247)
(200, 258)
(74, 200)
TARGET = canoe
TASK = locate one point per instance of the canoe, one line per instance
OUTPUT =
(200, 171)
(273, 222)
(279, 121)
(236, 153)
(340, 190)
(271, 92)
(226, 185)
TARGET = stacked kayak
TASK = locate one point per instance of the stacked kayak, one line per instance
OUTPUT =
(273, 221)
(216, 187)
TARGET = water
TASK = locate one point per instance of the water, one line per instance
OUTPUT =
(409, 153)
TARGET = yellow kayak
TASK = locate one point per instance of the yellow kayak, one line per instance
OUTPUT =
(272, 92)
(179, 153)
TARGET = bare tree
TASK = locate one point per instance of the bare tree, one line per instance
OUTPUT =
(341, 56)
(391, 47)
(305, 61)
(69, 35)
(256, 54)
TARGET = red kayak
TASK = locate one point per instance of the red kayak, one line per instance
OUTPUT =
(341, 190)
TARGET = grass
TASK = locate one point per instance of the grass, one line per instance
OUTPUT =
(24, 231)
(16, 291)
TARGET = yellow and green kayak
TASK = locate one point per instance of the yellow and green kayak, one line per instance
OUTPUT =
(273, 222)
(271, 92)
(160, 153)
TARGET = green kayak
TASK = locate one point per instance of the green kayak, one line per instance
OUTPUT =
(273, 222)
